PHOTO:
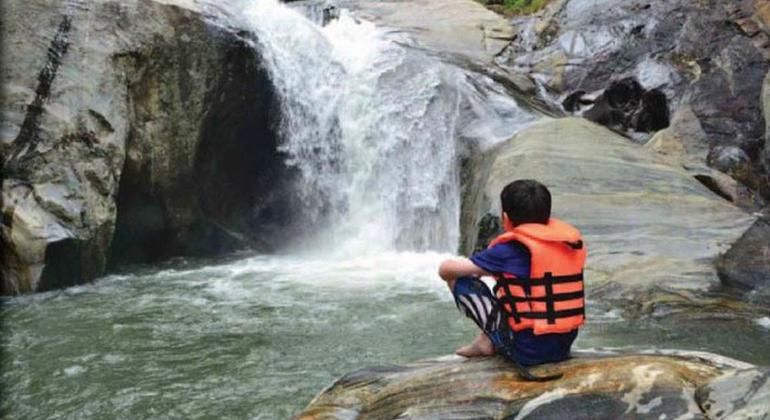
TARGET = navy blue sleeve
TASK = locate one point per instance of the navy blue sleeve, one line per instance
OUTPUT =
(510, 257)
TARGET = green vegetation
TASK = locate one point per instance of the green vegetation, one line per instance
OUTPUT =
(515, 7)
(524, 6)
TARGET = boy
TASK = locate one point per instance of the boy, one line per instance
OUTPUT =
(537, 264)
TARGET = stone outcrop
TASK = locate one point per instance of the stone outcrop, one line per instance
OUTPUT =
(708, 58)
(653, 231)
(746, 266)
(738, 394)
(462, 28)
(132, 130)
(669, 384)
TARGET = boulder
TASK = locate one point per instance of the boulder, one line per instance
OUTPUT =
(127, 136)
(461, 32)
(707, 59)
(653, 231)
(608, 385)
(460, 28)
(737, 394)
(746, 265)
(685, 144)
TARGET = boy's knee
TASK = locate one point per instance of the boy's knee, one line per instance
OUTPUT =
(451, 285)
(467, 285)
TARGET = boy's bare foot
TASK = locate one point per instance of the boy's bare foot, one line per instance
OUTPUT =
(481, 346)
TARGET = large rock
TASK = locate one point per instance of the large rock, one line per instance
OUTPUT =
(652, 230)
(134, 126)
(595, 386)
(746, 265)
(462, 28)
(738, 394)
(709, 58)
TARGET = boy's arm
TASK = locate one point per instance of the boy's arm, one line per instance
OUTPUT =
(454, 268)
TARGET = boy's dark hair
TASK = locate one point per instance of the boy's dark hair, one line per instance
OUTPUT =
(526, 201)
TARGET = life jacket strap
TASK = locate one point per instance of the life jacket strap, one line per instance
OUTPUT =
(526, 282)
(558, 297)
(556, 314)
(502, 290)
(549, 307)
(506, 298)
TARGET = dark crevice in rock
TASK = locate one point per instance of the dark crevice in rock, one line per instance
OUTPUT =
(29, 133)
(712, 185)
(59, 270)
(243, 183)
(625, 105)
(70, 261)
(231, 189)
(102, 120)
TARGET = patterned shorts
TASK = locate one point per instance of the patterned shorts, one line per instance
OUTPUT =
(473, 297)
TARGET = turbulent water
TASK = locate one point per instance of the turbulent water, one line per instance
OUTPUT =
(259, 336)
(374, 125)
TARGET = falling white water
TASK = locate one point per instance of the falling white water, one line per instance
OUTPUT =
(373, 125)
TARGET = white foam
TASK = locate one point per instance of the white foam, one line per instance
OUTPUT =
(763, 322)
(74, 370)
(373, 126)
(113, 358)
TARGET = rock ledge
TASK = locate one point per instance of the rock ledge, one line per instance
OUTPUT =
(663, 384)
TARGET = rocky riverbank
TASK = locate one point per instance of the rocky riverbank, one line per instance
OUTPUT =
(603, 385)
(640, 66)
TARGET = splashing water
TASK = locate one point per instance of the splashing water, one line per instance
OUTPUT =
(374, 127)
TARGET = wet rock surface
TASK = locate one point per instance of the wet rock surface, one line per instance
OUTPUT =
(740, 394)
(746, 265)
(127, 136)
(653, 231)
(708, 59)
(594, 386)
(463, 28)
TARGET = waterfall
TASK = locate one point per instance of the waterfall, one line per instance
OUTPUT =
(374, 126)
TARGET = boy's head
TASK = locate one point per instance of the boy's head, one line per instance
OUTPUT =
(526, 201)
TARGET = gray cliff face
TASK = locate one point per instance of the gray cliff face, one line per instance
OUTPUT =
(702, 63)
(118, 120)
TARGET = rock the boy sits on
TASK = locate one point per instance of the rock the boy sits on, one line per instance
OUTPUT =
(538, 303)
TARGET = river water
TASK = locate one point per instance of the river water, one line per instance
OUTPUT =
(259, 336)
(377, 128)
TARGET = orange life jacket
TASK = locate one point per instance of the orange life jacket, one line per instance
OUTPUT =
(551, 300)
